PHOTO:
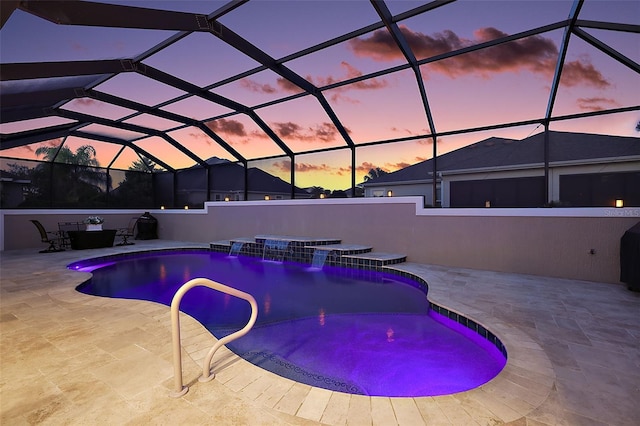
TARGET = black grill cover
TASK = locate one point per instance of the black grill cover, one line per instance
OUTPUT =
(630, 258)
(147, 227)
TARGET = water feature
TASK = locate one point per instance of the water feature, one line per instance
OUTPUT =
(319, 258)
(236, 247)
(275, 250)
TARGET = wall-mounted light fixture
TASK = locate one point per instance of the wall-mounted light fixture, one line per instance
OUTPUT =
(161, 207)
(227, 199)
(389, 193)
(186, 207)
(619, 203)
(487, 203)
(267, 198)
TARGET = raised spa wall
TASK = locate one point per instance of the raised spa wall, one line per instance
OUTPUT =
(574, 243)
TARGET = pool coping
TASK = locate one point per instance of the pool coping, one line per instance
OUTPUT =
(523, 385)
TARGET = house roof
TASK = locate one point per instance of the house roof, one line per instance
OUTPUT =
(230, 176)
(499, 152)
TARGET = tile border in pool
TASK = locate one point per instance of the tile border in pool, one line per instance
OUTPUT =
(422, 284)
(481, 330)
(521, 391)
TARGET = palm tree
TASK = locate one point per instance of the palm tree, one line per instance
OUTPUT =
(374, 173)
(143, 165)
(136, 190)
(68, 179)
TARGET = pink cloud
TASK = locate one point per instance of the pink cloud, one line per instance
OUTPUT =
(325, 132)
(234, 130)
(342, 171)
(365, 166)
(337, 95)
(397, 166)
(306, 167)
(352, 72)
(227, 127)
(282, 86)
(285, 166)
(536, 54)
(285, 86)
(255, 87)
(582, 71)
(282, 166)
(429, 141)
(86, 101)
(596, 104)
(201, 136)
(412, 133)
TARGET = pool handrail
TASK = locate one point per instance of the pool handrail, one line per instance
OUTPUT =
(180, 389)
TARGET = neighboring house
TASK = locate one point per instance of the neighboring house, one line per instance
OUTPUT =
(13, 190)
(584, 170)
(227, 184)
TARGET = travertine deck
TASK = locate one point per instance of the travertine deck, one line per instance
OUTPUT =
(69, 358)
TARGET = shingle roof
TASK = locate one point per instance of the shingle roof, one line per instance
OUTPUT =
(498, 152)
(230, 176)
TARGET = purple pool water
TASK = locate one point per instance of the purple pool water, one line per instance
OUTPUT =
(347, 330)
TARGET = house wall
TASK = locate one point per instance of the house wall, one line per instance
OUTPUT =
(556, 172)
(426, 189)
(550, 242)
(11, 192)
(484, 175)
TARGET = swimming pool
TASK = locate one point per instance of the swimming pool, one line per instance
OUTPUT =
(355, 331)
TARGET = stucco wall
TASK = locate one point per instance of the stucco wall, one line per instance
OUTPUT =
(553, 242)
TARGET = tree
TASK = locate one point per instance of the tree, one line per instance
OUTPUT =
(67, 179)
(144, 164)
(374, 173)
(136, 190)
(318, 192)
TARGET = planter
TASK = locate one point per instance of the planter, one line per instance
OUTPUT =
(92, 227)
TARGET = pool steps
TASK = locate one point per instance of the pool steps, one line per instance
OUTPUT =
(303, 249)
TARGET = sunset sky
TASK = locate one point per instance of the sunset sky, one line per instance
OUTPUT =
(501, 84)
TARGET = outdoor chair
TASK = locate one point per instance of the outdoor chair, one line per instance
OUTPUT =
(64, 228)
(52, 238)
(126, 233)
